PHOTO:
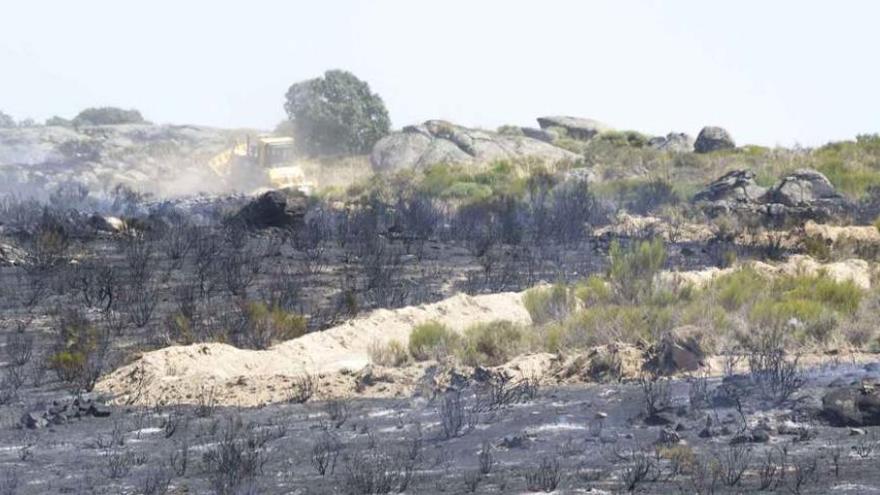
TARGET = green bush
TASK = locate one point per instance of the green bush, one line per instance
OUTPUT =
(851, 179)
(492, 344)
(108, 116)
(740, 288)
(432, 340)
(392, 354)
(266, 325)
(336, 113)
(633, 269)
(843, 297)
(593, 291)
(546, 304)
(78, 357)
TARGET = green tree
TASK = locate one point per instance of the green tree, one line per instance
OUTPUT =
(6, 121)
(108, 116)
(336, 113)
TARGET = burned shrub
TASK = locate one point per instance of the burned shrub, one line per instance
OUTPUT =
(325, 453)
(455, 416)
(238, 457)
(375, 471)
(545, 476)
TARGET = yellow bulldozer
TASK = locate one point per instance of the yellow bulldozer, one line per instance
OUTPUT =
(266, 159)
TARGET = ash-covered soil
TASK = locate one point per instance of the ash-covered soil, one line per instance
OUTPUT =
(596, 439)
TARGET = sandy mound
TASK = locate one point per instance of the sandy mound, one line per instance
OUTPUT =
(859, 233)
(626, 225)
(855, 270)
(186, 374)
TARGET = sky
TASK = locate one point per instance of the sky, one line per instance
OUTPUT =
(777, 72)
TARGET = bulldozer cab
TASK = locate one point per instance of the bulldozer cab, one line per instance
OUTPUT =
(275, 156)
(269, 151)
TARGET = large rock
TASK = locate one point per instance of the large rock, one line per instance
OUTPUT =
(678, 142)
(713, 139)
(852, 406)
(575, 127)
(804, 187)
(284, 209)
(546, 135)
(737, 186)
(438, 141)
(677, 351)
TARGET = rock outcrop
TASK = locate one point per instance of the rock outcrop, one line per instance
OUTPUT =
(575, 127)
(283, 209)
(677, 351)
(161, 159)
(437, 141)
(855, 406)
(61, 412)
(804, 187)
(678, 142)
(732, 188)
(713, 139)
(802, 195)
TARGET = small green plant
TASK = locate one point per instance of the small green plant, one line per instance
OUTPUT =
(266, 325)
(633, 269)
(79, 354)
(546, 304)
(492, 344)
(432, 340)
(392, 354)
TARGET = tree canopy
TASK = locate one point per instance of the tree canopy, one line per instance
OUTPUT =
(336, 113)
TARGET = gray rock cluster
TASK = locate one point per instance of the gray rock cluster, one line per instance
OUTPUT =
(437, 141)
(62, 412)
(802, 194)
(855, 406)
(678, 142)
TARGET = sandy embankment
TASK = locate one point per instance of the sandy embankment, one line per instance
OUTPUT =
(181, 374)
(185, 374)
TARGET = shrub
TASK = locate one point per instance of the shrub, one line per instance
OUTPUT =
(545, 476)
(640, 196)
(336, 113)
(618, 323)
(391, 354)
(432, 340)
(739, 288)
(593, 291)
(79, 354)
(108, 116)
(492, 344)
(546, 304)
(843, 297)
(266, 325)
(633, 269)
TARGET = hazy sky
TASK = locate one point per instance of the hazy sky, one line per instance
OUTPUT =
(772, 72)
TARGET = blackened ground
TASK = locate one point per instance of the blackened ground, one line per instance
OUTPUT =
(589, 438)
